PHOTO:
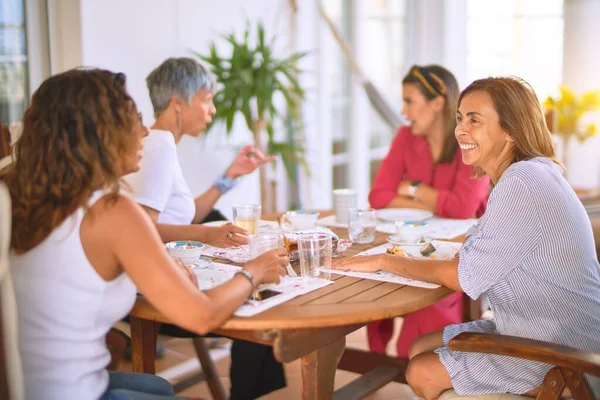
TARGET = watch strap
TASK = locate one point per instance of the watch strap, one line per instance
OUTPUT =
(224, 184)
(246, 274)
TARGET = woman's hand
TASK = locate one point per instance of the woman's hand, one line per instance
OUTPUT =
(268, 267)
(247, 160)
(402, 189)
(372, 263)
(227, 235)
(187, 270)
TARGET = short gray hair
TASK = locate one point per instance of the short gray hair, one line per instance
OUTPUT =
(182, 77)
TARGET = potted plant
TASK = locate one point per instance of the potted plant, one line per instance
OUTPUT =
(570, 113)
(253, 82)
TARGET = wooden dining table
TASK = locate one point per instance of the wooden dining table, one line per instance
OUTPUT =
(311, 327)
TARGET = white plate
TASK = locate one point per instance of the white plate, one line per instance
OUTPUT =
(263, 225)
(395, 239)
(443, 253)
(402, 214)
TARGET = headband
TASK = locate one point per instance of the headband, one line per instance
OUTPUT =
(433, 83)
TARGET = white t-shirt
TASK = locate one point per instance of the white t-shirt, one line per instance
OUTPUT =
(159, 184)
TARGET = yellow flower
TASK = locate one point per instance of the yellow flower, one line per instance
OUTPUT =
(571, 110)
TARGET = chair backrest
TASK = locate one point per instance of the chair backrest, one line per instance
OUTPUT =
(5, 141)
(11, 375)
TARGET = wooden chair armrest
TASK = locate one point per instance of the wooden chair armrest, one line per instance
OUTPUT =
(529, 349)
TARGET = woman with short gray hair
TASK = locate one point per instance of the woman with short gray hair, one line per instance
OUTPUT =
(181, 91)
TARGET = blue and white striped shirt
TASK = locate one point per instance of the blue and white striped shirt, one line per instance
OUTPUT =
(533, 255)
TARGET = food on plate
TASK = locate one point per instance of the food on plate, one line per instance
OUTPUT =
(290, 240)
(395, 251)
(428, 249)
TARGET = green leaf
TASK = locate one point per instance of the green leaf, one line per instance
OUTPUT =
(250, 80)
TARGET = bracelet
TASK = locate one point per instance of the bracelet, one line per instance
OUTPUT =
(224, 184)
(247, 275)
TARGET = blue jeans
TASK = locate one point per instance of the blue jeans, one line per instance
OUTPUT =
(134, 386)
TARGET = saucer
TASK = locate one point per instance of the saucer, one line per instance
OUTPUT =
(397, 240)
(201, 262)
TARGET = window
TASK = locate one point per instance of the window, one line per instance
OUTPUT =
(14, 90)
(340, 80)
(384, 28)
(516, 37)
(386, 55)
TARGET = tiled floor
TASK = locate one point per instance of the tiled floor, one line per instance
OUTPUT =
(179, 351)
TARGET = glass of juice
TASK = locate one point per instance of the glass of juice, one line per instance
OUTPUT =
(247, 216)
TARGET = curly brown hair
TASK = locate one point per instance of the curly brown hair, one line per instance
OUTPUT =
(76, 131)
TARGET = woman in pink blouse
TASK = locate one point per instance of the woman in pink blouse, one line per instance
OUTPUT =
(424, 170)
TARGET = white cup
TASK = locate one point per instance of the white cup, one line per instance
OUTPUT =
(343, 201)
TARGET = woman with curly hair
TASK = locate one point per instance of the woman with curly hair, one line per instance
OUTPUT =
(80, 248)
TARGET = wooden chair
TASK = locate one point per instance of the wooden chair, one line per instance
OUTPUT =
(120, 335)
(569, 364)
(11, 375)
(5, 146)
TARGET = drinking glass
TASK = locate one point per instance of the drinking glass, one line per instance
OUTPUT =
(247, 216)
(361, 225)
(263, 242)
(315, 253)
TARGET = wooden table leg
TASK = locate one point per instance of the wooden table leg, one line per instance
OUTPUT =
(318, 370)
(143, 345)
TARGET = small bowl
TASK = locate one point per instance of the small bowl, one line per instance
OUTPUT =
(300, 219)
(187, 251)
(410, 231)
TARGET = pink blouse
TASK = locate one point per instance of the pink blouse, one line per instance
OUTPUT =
(409, 158)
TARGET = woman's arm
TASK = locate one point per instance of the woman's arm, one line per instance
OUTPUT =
(407, 202)
(425, 197)
(390, 173)
(137, 247)
(246, 162)
(442, 272)
(223, 236)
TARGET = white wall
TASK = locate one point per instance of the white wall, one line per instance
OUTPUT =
(135, 36)
(581, 72)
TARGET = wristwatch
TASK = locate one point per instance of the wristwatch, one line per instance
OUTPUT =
(412, 189)
(224, 184)
(248, 276)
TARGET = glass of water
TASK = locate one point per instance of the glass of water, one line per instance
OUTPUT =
(263, 242)
(361, 225)
(315, 254)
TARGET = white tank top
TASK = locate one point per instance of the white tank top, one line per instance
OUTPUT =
(65, 311)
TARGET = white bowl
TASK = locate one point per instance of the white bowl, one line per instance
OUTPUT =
(410, 231)
(187, 251)
(299, 219)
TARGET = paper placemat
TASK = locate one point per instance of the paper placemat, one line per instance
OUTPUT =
(241, 254)
(290, 287)
(331, 221)
(446, 248)
(439, 228)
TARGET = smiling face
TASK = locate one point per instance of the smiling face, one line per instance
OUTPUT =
(482, 141)
(420, 112)
(198, 113)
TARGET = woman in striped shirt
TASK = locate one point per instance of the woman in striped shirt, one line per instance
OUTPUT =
(532, 253)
